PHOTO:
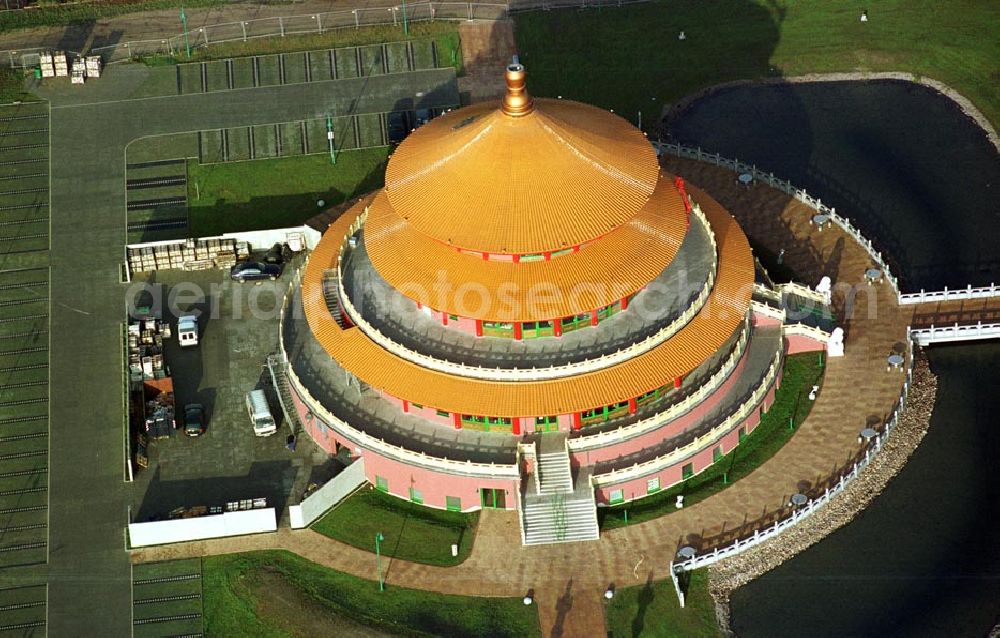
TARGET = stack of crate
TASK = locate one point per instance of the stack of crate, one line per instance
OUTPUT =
(60, 64)
(93, 66)
(78, 73)
(46, 65)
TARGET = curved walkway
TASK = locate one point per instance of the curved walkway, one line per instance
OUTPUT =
(568, 579)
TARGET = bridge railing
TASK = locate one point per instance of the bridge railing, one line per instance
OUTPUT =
(956, 332)
(844, 479)
(983, 292)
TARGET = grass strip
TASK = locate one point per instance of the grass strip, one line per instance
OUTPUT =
(412, 532)
(232, 607)
(791, 405)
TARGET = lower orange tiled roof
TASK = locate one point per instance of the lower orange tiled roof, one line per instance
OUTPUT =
(694, 343)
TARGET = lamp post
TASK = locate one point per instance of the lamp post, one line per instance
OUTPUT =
(330, 139)
(184, 25)
(378, 559)
(406, 25)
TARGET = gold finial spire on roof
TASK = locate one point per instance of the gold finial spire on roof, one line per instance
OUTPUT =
(516, 101)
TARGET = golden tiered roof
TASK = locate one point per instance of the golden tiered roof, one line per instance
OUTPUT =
(617, 265)
(703, 336)
(530, 177)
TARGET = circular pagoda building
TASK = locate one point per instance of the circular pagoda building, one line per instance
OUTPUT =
(533, 315)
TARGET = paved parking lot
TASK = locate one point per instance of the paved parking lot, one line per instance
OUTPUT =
(238, 329)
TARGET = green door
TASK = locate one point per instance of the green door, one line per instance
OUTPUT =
(492, 498)
(546, 424)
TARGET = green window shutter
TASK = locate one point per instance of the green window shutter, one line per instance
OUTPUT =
(716, 454)
(381, 484)
(453, 503)
(742, 434)
(616, 497)
(653, 485)
(687, 471)
(416, 496)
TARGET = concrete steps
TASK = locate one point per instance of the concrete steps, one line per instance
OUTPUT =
(557, 513)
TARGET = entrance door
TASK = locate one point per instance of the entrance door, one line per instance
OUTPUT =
(546, 424)
(492, 498)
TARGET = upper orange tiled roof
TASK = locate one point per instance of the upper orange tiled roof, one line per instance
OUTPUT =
(557, 176)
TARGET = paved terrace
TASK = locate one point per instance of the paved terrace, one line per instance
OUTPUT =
(568, 579)
(654, 307)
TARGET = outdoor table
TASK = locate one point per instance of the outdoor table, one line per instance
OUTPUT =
(895, 360)
(799, 500)
(868, 434)
(686, 552)
(820, 220)
(745, 179)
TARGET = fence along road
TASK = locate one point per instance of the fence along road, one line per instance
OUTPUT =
(87, 494)
(151, 33)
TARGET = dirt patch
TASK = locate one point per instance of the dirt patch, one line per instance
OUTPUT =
(288, 608)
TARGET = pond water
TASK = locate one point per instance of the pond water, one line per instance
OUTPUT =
(901, 160)
(921, 180)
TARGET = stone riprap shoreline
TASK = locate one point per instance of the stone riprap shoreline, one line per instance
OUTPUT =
(731, 573)
(673, 111)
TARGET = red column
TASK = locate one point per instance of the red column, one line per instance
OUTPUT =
(679, 183)
(593, 317)
(631, 406)
(444, 318)
(557, 327)
(517, 258)
(517, 330)
(677, 382)
(624, 303)
(576, 248)
(548, 255)
(486, 256)
(576, 421)
(515, 423)
(420, 306)
(406, 405)
(456, 418)
(479, 327)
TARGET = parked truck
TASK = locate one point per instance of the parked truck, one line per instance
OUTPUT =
(187, 330)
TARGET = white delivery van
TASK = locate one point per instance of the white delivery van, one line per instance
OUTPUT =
(187, 330)
(260, 414)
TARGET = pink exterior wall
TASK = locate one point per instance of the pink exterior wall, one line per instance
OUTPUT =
(675, 427)
(795, 344)
(760, 319)
(434, 486)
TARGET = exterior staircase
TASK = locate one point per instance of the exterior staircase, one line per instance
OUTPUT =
(331, 294)
(552, 511)
(277, 368)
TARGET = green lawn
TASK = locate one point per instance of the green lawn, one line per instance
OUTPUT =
(791, 402)
(11, 85)
(233, 605)
(623, 58)
(412, 532)
(275, 193)
(652, 610)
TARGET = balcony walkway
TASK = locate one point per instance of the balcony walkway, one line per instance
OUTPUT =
(567, 581)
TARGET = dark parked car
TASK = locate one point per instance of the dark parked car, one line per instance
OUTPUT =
(254, 271)
(275, 256)
(194, 419)
(398, 126)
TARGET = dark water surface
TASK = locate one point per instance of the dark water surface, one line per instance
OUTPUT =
(922, 181)
(902, 161)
